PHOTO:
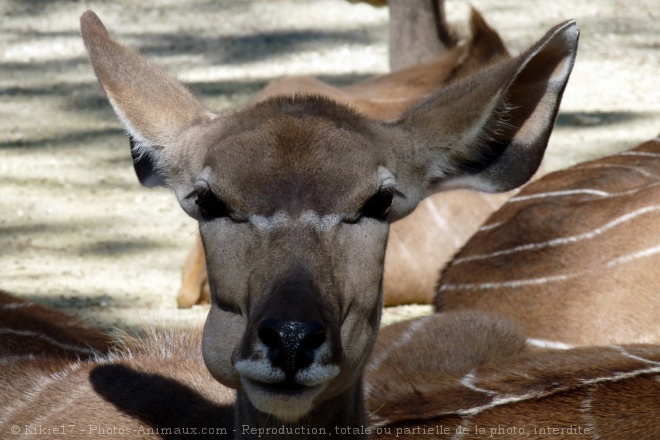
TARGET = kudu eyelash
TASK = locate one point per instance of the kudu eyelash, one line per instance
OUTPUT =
(211, 207)
(377, 206)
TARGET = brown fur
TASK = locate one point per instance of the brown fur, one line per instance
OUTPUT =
(418, 32)
(294, 196)
(461, 369)
(23, 325)
(412, 261)
(145, 385)
(425, 386)
(599, 301)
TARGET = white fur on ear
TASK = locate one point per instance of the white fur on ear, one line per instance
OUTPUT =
(154, 108)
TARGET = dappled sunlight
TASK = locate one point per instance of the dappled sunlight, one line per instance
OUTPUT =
(78, 232)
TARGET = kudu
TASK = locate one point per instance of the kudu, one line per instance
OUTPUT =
(573, 258)
(418, 31)
(25, 327)
(472, 375)
(412, 260)
(462, 375)
(294, 196)
(60, 377)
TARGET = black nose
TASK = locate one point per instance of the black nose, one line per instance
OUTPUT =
(291, 344)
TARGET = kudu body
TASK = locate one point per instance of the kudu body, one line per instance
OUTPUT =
(60, 377)
(573, 258)
(472, 375)
(294, 196)
(413, 260)
(25, 328)
(452, 375)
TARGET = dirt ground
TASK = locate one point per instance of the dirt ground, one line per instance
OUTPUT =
(79, 233)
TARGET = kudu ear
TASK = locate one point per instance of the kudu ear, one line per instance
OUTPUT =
(488, 131)
(153, 107)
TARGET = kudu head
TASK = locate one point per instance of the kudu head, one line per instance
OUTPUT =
(294, 196)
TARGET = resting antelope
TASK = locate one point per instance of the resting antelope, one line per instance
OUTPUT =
(465, 375)
(474, 375)
(27, 328)
(294, 196)
(584, 242)
(412, 260)
(571, 261)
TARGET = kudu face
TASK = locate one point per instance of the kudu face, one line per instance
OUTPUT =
(294, 196)
(299, 237)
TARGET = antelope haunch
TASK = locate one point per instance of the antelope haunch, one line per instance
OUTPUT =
(294, 196)
(412, 260)
(583, 242)
(472, 375)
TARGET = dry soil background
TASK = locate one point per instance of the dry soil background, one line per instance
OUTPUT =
(79, 233)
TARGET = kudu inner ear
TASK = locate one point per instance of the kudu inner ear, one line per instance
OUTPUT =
(155, 109)
(145, 166)
(489, 131)
(531, 104)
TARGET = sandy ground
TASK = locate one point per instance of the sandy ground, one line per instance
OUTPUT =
(76, 229)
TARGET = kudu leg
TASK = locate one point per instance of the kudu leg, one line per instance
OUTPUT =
(194, 281)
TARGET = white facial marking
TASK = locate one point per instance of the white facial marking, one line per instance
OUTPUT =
(309, 217)
(282, 219)
(321, 223)
(261, 369)
(285, 406)
(275, 221)
(317, 373)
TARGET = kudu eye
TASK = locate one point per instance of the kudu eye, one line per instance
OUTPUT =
(378, 206)
(210, 207)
